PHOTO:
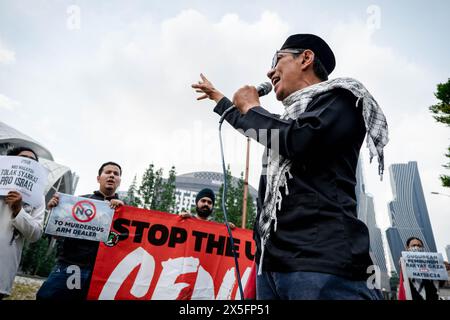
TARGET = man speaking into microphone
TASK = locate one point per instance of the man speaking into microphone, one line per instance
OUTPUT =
(310, 244)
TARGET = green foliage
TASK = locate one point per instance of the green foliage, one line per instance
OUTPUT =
(38, 258)
(146, 190)
(158, 188)
(132, 198)
(218, 212)
(234, 203)
(155, 193)
(167, 199)
(441, 112)
(444, 178)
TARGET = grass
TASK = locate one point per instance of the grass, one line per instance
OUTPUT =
(24, 289)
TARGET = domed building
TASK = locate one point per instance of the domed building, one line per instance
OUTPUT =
(189, 184)
(60, 177)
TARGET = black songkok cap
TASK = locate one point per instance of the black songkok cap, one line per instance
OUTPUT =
(314, 43)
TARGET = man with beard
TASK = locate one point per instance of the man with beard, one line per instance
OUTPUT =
(204, 206)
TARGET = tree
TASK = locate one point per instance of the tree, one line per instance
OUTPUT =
(251, 210)
(444, 178)
(167, 203)
(234, 203)
(230, 201)
(132, 198)
(158, 186)
(155, 193)
(146, 190)
(441, 112)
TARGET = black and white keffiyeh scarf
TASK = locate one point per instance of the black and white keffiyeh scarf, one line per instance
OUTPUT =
(278, 167)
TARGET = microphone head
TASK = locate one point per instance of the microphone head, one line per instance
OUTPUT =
(264, 88)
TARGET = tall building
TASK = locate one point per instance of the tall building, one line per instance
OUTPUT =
(408, 211)
(447, 251)
(189, 184)
(366, 213)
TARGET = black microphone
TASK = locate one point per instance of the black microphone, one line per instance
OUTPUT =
(262, 88)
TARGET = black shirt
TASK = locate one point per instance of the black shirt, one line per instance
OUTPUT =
(79, 251)
(317, 226)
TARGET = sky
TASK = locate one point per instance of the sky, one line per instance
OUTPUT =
(95, 81)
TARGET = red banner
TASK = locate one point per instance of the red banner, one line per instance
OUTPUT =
(156, 255)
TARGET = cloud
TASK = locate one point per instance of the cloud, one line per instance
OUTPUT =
(135, 87)
(7, 103)
(6, 56)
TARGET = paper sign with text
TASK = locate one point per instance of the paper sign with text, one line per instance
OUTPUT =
(24, 175)
(425, 265)
(81, 218)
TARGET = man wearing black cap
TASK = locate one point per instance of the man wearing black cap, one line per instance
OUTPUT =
(310, 244)
(204, 204)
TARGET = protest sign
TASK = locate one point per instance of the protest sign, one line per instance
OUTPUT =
(24, 175)
(424, 265)
(81, 218)
(160, 256)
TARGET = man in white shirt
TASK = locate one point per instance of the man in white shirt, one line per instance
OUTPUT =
(18, 222)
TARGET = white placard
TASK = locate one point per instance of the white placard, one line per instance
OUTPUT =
(425, 265)
(81, 218)
(24, 175)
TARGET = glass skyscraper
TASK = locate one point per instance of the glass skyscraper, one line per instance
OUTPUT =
(408, 211)
(366, 213)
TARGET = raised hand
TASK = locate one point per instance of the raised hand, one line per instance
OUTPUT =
(206, 87)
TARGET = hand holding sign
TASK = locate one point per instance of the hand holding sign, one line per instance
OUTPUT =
(81, 218)
(54, 201)
(185, 215)
(14, 200)
(115, 203)
(23, 175)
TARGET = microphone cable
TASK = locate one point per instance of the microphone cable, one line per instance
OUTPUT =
(262, 89)
(224, 209)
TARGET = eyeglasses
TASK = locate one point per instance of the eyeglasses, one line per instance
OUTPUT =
(276, 58)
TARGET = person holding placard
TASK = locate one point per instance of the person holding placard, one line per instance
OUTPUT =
(419, 289)
(19, 221)
(70, 278)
